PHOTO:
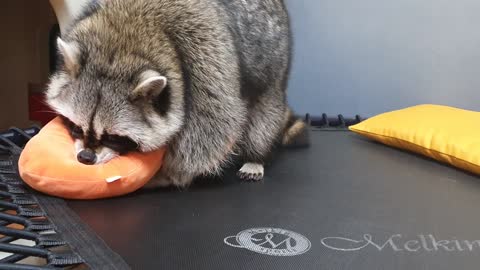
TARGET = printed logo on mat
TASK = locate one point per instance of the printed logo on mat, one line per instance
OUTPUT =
(270, 241)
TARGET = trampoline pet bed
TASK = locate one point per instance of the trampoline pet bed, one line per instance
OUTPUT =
(345, 202)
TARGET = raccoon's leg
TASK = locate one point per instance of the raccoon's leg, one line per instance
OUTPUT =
(270, 126)
(266, 122)
(166, 177)
(170, 174)
(160, 180)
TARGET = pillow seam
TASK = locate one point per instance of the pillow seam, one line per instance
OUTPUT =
(436, 151)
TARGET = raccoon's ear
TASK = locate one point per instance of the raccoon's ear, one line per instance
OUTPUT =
(70, 53)
(151, 85)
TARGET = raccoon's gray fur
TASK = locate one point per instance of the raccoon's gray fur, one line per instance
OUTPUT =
(207, 78)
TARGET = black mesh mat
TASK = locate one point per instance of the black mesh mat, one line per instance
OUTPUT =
(40, 232)
(28, 236)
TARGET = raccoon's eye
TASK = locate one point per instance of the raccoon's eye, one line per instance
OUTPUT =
(77, 132)
(121, 144)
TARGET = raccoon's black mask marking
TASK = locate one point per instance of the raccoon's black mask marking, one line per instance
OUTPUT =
(120, 144)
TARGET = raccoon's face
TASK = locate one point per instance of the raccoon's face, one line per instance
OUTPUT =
(112, 114)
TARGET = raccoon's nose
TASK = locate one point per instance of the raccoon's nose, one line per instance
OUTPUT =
(87, 156)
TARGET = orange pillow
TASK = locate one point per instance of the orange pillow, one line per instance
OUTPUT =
(48, 164)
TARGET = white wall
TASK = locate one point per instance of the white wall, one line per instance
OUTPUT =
(66, 10)
(372, 56)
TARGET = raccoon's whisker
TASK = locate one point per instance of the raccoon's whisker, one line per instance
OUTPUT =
(46, 111)
(44, 102)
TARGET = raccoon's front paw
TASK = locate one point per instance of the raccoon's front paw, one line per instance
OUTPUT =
(251, 171)
(181, 180)
(158, 181)
(167, 179)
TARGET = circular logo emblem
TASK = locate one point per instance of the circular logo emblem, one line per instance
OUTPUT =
(270, 241)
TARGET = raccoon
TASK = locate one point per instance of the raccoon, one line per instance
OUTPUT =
(205, 78)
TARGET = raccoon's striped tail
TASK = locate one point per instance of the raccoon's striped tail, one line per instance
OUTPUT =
(296, 132)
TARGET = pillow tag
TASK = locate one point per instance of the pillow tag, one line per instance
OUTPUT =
(113, 179)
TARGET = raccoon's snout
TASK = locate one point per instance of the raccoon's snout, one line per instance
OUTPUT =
(87, 157)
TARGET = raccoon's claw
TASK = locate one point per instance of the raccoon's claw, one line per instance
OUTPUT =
(251, 171)
(250, 176)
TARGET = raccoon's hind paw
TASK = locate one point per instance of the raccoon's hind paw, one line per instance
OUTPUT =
(251, 171)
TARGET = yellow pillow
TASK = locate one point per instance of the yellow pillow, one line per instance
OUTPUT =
(443, 133)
